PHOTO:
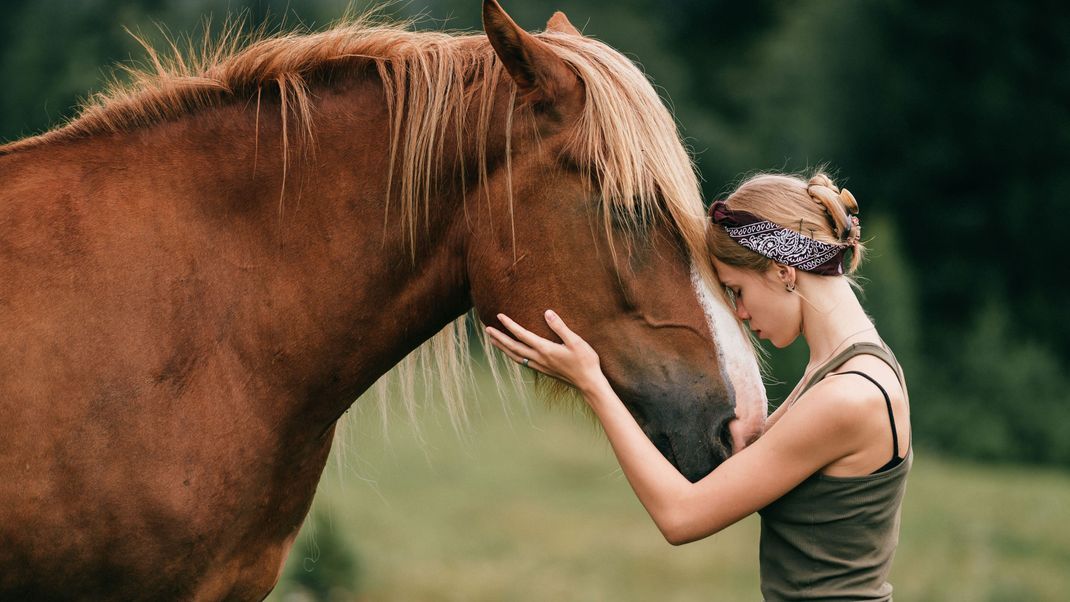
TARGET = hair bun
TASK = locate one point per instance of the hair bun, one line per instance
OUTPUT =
(824, 192)
(849, 201)
(820, 179)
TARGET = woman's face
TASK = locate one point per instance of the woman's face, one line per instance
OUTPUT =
(761, 300)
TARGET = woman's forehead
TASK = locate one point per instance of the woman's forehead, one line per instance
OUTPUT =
(725, 272)
(732, 275)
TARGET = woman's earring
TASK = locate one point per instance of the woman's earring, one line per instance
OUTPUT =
(790, 287)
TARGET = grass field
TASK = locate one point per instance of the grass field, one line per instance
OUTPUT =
(529, 504)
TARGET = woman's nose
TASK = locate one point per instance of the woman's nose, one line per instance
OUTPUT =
(741, 311)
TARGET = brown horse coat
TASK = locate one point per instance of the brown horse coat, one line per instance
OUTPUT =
(185, 311)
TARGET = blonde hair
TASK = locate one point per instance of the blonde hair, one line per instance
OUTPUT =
(815, 207)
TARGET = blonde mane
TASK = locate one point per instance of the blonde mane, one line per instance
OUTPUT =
(625, 137)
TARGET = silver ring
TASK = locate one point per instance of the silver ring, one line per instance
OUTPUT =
(525, 362)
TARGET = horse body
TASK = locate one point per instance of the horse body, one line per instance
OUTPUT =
(184, 331)
(185, 312)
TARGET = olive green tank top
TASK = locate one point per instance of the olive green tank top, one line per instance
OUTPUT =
(833, 538)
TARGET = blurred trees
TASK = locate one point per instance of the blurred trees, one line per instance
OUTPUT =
(949, 122)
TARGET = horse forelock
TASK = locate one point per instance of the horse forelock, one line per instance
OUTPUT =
(625, 137)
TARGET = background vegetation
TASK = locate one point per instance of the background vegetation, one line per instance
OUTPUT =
(949, 122)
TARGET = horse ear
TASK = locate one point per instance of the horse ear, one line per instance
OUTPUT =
(542, 77)
(560, 23)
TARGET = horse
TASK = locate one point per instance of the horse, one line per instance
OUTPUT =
(204, 268)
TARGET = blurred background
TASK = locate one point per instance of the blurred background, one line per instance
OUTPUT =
(949, 121)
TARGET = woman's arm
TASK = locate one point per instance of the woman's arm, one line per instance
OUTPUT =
(809, 438)
(777, 413)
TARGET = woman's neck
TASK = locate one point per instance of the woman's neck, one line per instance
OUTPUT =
(832, 317)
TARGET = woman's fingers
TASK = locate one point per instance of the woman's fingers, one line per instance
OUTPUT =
(498, 338)
(510, 344)
(511, 354)
(539, 367)
(530, 338)
(558, 325)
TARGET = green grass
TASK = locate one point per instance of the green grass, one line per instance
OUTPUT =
(529, 504)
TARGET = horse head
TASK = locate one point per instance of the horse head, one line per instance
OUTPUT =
(594, 210)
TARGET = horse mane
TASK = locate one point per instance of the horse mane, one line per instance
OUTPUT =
(626, 138)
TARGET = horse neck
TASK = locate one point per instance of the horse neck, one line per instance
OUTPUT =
(330, 292)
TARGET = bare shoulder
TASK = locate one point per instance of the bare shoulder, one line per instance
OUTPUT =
(844, 418)
(848, 401)
(853, 395)
(823, 419)
(860, 413)
(834, 403)
(876, 369)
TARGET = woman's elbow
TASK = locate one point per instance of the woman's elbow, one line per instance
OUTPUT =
(677, 532)
(679, 539)
(675, 539)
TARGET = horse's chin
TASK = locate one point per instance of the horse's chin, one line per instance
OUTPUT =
(694, 469)
(695, 475)
(665, 446)
(698, 457)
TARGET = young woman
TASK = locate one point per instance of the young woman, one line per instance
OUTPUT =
(829, 473)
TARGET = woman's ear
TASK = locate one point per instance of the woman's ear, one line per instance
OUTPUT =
(786, 274)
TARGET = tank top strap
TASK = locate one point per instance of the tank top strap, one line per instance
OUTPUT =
(864, 348)
(891, 418)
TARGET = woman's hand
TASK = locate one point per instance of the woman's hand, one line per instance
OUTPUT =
(574, 361)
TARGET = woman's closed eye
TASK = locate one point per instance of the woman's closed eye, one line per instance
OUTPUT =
(732, 294)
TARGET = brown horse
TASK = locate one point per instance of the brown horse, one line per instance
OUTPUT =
(204, 269)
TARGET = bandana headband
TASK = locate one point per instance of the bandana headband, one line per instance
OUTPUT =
(778, 243)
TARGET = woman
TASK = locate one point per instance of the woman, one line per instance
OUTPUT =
(829, 473)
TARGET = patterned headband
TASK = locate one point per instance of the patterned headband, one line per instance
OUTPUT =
(780, 244)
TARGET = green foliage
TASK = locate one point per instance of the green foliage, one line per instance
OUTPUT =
(890, 293)
(952, 122)
(323, 564)
(1006, 398)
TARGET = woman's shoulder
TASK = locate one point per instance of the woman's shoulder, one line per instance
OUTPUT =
(861, 408)
(847, 399)
(878, 368)
(850, 397)
(846, 392)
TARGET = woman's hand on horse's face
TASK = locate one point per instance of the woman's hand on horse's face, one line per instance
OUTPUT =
(573, 360)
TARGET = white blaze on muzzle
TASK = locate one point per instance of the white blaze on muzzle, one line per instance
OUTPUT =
(739, 368)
